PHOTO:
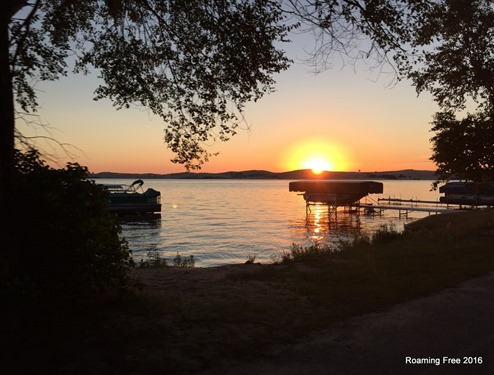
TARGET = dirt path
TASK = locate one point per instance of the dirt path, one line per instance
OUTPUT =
(457, 324)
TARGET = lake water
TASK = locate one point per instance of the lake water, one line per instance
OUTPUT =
(226, 221)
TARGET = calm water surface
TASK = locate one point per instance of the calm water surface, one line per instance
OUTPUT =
(225, 221)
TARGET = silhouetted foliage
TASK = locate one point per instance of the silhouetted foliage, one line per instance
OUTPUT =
(194, 64)
(464, 149)
(458, 70)
(64, 239)
(444, 47)
(459, 60)
(379, 30)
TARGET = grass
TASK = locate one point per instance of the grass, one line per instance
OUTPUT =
(189, 319)
(371, 274)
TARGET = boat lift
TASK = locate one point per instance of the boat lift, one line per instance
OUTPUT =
(334, 194)
(348, 194)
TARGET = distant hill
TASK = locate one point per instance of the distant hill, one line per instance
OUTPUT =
(302, 174)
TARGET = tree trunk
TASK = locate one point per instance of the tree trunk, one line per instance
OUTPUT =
(7, 126)
(7, 120)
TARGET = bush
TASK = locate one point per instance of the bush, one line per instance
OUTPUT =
(65, 241)
(300, 253)
(180, 261)
(385, 233)
(153, 260)
(314, 252)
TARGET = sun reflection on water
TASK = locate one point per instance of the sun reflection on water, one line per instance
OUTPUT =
(324, 224)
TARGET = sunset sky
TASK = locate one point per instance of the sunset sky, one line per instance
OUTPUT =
(344, 119)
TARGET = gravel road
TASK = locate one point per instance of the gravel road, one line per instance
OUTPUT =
(448, 333)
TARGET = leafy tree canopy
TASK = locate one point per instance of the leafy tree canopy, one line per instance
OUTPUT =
(445, 47)
(196, 64)
(464, 149)
(459, 61)
(193, 63)
(458, 70)
(380, 30)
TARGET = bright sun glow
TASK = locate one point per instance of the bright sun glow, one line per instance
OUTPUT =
(318, 165)
(317, 155)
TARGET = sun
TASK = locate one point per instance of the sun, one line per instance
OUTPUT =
(317, 155)
(318, 165)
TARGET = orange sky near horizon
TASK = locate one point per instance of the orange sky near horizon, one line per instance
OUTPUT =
(348, 120)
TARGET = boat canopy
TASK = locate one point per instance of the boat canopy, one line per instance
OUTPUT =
(113, 186)
(335, 193)
(337, 187)
(132, 188)
(468, 193)
(467, 188)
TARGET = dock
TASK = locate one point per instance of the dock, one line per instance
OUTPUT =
(349, 194)
(403, 211)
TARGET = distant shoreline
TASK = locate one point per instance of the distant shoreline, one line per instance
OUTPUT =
(302, 174)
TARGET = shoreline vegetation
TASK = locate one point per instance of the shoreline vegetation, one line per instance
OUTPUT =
(184, 320)
(302, 174)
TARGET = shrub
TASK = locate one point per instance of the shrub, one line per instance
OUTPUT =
(385, 233)
(180, 261)
(360, 241)
(65, 240)
(153, 260)
(251, 259)
(300, 253)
